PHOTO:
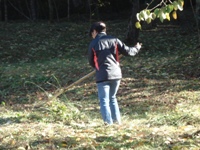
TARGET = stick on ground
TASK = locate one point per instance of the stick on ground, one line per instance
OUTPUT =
(63, 90)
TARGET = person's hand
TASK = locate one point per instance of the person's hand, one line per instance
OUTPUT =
(138, 46)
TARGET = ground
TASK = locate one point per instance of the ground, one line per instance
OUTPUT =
(158, 96)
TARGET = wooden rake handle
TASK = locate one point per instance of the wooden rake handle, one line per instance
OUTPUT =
(63, 90)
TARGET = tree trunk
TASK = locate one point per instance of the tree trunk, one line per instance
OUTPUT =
(28, 8)
(88, 9)
(20, 6)
(77, 3)
(68, 9)
(5, 11)
(133, 32)
(50, 11)
(96, 8)
(57, 14)
(0, 12)
(198, 12)
(33, 10)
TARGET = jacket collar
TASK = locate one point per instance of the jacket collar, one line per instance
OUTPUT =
(100, 34)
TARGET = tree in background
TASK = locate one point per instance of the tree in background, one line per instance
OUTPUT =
(5, 11)
(133, 33)
(33, 9)
(198, 12)
(37, 9)
(0, 11)
(51, 13)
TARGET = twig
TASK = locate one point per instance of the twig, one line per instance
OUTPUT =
(160, 4)
(19, 11)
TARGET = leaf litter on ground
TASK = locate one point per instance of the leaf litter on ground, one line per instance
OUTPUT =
(158, 96)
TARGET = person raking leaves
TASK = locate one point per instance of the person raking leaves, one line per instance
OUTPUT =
(103, 55)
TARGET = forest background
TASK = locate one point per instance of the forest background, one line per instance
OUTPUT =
(43, 48)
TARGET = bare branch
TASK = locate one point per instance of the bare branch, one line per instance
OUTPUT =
(19, 11)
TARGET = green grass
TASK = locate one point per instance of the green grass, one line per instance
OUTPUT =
(158, 97)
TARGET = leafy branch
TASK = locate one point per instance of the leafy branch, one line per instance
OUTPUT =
(161, 11)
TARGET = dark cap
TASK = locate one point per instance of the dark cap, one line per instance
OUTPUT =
(98, 26)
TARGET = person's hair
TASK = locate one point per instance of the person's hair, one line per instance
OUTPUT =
(98, 26)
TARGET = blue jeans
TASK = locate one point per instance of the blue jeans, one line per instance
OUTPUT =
(109, 108)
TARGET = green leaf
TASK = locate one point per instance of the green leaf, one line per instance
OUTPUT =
(170, 8)
(141, 16)
(138, 25)
(148, 20)
(138, 17)
(157, 12)
(164, 9)
(175, 4)
(145, 14)
(148, 12)
(161, 18)
(153, 16)
(180, 5)
(162, 15)
(168, 16)
(181, 2)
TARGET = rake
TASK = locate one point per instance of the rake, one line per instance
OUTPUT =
(65, 89)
